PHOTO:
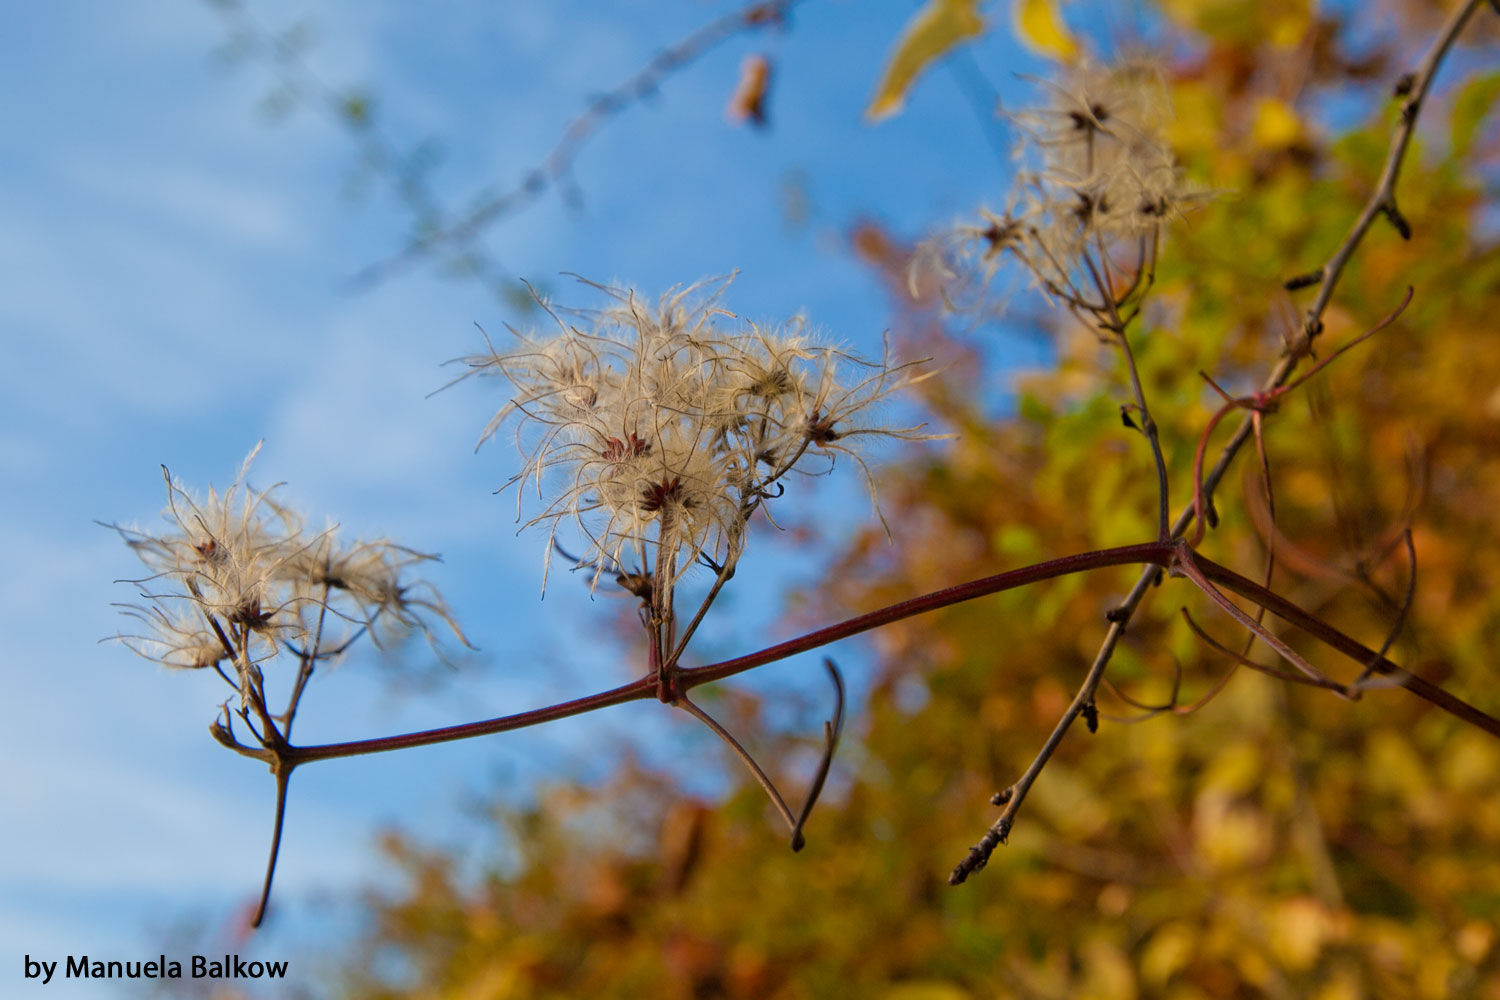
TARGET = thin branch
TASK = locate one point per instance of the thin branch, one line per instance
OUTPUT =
(831, 732)
(1406, 602)
(1354, 650)
(283, 778)
(1148, 425)
(305, 669)
(1242, 660)
(1012, 797)
(1157, 554)
(1111, 319)
(761, 778)
(722, 576)
(636, 690)
(556, 165)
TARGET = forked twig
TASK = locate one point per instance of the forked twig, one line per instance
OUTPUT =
(1241, 660)
(1189, 568)
(761, 778)
(1259, 404)
(831, 733)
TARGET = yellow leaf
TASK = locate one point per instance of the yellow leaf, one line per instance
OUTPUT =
(925, 989)
(1290, 27)
(1167, 953)
(936, 28)
(1298, 929)
(1040, 28)
(1276, 124)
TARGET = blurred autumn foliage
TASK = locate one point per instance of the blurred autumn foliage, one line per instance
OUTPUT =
(1277, 842)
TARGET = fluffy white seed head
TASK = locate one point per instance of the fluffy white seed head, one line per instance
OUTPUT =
(656, 431)
(1095, 177)
(235, 577)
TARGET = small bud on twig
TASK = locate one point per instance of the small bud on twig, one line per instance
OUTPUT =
(1306, 280)
(1392, 213)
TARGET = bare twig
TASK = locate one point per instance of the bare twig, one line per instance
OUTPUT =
(761, 778)
(1011, 798)
(283, 777)
(1332, 637)
(1242, 660)
(831, 732)
(1405, 608)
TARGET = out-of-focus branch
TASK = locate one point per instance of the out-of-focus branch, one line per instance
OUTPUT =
(438, 230)
(553, 170)
(355, 114)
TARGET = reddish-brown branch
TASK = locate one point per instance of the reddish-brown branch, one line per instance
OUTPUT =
(1332, 637)
(634, 691)
(283, 776)
(1154, 553)
(1261, 403)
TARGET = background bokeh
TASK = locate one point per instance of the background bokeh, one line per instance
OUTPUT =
(178, 243)
(178, 236)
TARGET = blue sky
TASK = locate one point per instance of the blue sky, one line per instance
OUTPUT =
(175, 291)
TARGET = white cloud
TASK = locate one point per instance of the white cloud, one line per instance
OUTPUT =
(240, 211)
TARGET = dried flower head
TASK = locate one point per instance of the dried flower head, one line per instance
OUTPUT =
(1096, 181)
(235, 578)
(658, 432)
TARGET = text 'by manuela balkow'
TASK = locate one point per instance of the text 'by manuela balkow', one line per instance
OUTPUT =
(161, 967)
